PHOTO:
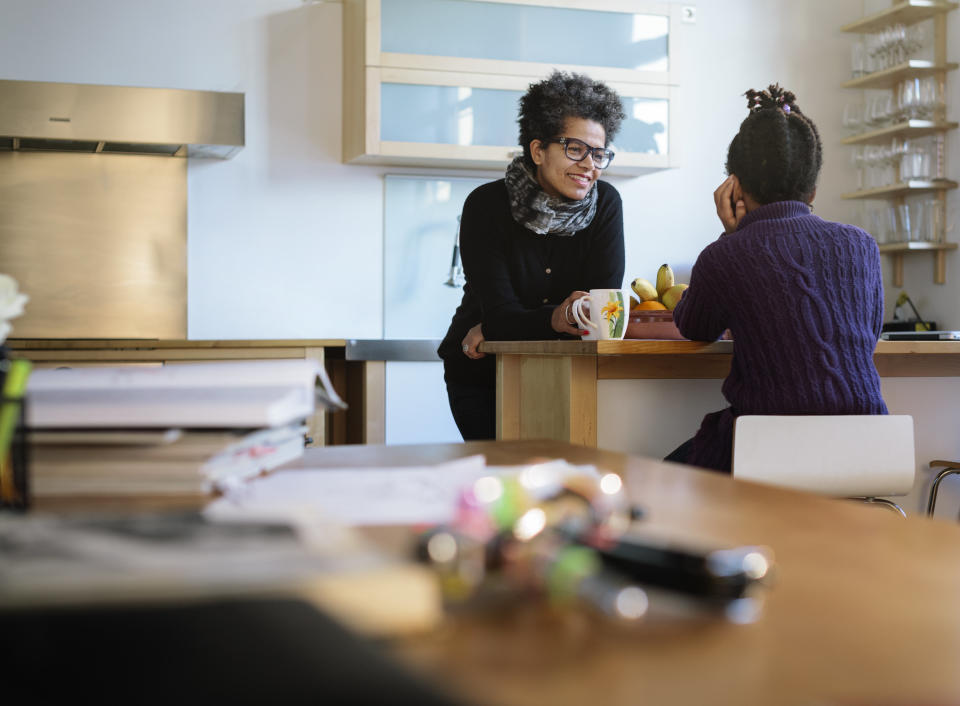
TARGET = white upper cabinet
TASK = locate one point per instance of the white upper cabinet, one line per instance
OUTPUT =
(611, 40)
(437, 82)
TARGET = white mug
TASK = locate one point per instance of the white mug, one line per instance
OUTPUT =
(609, 313)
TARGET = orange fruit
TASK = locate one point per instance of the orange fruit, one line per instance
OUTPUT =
(651, 305)
(634, 303)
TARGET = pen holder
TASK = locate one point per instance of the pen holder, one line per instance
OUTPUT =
(14, 461)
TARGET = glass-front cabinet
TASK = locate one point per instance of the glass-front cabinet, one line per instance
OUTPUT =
(436, 82)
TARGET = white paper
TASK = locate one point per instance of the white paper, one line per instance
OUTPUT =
(248, 373)
(243, 394)
(365, 496)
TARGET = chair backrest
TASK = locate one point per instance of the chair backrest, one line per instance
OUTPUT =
(840, 455)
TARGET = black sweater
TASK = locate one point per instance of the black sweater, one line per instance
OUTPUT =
(516, 278)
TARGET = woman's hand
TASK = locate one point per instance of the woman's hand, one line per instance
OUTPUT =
(730, 205)
(562, 319)
(471, 343)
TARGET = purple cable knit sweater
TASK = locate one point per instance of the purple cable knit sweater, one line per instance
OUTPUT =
(803, 298)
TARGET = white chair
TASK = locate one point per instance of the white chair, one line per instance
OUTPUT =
(854, 456)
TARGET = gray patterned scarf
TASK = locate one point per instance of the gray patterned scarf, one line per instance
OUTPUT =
(536, 210)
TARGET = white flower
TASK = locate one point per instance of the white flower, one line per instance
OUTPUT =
(11, 304)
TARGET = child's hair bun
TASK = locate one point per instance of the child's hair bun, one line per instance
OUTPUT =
(772, 98)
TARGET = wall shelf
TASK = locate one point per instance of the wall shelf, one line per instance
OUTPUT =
(898, 250)
(909, 130)
(910, 12)
(889, 78)
(916, 245)
(903, 189)
(906, 13)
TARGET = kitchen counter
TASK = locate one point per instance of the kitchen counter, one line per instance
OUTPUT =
(409, 350)
(697, 359)
(648, 396)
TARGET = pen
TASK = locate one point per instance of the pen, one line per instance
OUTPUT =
(577, 572)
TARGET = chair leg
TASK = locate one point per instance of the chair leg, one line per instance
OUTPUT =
(887, 504)
(932, 502)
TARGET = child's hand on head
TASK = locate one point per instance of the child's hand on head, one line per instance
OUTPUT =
(730, 205)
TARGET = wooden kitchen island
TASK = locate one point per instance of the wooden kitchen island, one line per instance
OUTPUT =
(647, 397)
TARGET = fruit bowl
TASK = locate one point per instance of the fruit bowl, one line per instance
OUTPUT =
(652, 325)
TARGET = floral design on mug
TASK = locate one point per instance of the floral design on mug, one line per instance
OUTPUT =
(612, 311)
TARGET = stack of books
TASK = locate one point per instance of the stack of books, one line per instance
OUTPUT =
(179, 429)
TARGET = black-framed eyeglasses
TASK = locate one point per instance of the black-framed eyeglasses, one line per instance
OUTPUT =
(577, 150)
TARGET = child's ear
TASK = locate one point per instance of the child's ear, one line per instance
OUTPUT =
(737, 191)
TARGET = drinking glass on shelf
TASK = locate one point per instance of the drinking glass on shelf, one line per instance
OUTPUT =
(908, 98)
(914, 38)
(902, 219)
(929, 97)
(875, 224)
(873, 53)
(858, 59)
(889, 162)
(918, 221)
(935, 217)
(871, 163)
(894, 233)
(881, 109)
(859, 165)
(883, 224)
(927, 221)
(920, 155)
(853, 117)
(896, 44)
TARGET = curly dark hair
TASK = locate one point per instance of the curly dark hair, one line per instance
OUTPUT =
(547, 104)
(777, 153)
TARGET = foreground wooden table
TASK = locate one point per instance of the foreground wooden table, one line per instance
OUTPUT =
(865, 608)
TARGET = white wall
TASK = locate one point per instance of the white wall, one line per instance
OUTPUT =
(282, 228)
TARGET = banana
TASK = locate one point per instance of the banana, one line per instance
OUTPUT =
(665, 279)
(644, 289)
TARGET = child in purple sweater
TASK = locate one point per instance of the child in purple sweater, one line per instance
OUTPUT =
(802, 297)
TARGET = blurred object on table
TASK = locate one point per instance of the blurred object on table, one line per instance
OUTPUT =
(569, 536)
(87, 559)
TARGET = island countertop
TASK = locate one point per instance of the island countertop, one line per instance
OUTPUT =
(699, 359)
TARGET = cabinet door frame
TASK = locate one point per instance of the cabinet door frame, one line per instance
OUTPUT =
(373, 56)
(373, 150)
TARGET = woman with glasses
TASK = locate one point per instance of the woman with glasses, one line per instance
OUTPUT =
(536, 240)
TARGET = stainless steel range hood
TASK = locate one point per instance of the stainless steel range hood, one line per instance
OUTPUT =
(72, 117)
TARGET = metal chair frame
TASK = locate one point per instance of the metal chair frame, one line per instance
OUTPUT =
(949, 468)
